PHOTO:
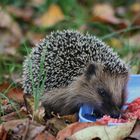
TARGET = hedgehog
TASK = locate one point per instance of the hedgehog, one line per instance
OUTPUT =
(76, 69)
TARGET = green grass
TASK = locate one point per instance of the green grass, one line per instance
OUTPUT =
(37, 91)
(12, 103)
(8, 66)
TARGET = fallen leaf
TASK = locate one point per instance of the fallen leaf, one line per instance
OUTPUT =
(4, 102)
(103, 9)
(72, 128)
(10, 34)
(104, 132)
(10, 125)
(16, 94)
(69, 118)
(54, 125)
(34, 38)
(135, 7)
(105, 13)
(34, 129)
(20, 130)
(10, 24)
(134, 40)
(12, 92)
(136, 132)
(22, 113)
(136, 20)
(23, 128)
(8, 43)
(4, 87)
(3, 133)
(52, 16)
(9, 108)
(45, 136)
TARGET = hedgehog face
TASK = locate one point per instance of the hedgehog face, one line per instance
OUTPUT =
(107, 92)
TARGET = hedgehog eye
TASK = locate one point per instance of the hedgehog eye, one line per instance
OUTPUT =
(102, 92)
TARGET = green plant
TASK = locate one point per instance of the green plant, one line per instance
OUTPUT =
(39, 89)
(10, 101)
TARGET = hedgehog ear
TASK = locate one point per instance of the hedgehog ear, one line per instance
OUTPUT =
(91, 70)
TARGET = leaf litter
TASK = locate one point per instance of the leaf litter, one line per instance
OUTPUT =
(26, 123)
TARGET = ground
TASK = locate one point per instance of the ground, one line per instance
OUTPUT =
(24, 22)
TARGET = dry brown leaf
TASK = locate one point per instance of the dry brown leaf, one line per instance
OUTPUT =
(25, 14)
(34, 129)
(54, 125)
(136, 20)
(15, 115)
(9, 108)
(18, 127)
(52, 16)
(4, 87)
(10, 34)
(23, 128)
(20, 130)
(134, 40)
(135, 7)
(34, 37)
(13, 93)
(71, 129)
(3, 133)
(16, 94)
(136, 132)
(104, 132)
(105, 13)
(45, 136)
(10, 24)
(69, 118)
(10, 125)
(4, 102)
(8, 42)
(103, 9)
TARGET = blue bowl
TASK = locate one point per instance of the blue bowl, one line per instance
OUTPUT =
(133, 93)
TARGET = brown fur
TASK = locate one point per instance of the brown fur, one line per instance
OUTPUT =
(87, 89)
